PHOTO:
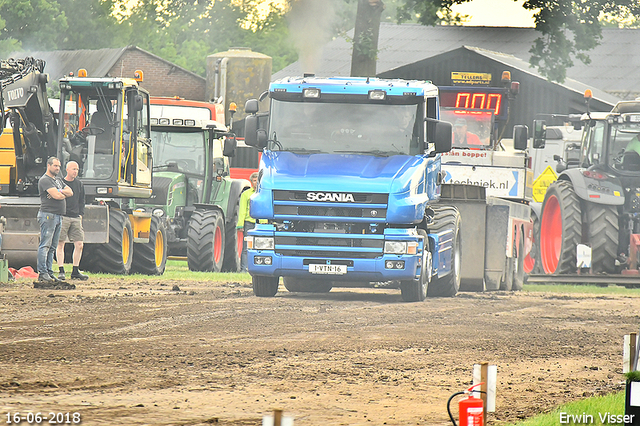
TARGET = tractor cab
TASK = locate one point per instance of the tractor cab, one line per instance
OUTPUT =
(105, 128)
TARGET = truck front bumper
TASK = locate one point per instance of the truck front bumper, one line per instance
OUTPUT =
(341, 267)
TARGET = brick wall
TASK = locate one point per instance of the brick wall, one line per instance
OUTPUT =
(160, 78)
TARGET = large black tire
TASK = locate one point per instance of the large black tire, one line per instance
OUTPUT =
(151, 258)
(264, 286)
(447, 217)
(534, 254)
(116, 256)
(416, 290)
(297, 285)
(232, 246)
(205, 241)
(603, 236)
(560, 229)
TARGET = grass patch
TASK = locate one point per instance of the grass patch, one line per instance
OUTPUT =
(612, 404)
(588, 289)
(177, 270)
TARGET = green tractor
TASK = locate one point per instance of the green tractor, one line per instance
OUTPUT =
(193, 194)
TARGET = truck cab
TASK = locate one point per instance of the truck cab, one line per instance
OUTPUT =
(349, 173)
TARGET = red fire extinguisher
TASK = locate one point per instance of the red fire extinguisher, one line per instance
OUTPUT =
(470, 409)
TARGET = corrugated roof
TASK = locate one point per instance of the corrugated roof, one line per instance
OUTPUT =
(613, 65)
(569, 83)
(60, 63)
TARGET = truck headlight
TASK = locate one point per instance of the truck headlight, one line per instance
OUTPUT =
(263, 243)
(400, 247)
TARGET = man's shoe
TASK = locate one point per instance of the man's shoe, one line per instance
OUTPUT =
(62, 276)
(44, 281)
(79, 276)
(55, 279)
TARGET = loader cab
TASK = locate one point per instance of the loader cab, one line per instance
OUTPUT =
(105, 128)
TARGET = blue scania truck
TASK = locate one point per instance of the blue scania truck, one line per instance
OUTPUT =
(349, 188)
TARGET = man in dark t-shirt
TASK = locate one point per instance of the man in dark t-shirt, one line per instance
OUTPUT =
(53, 193)
(72, 224)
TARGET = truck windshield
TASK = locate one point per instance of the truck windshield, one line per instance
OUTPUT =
(624, 149)
(471, 128)
(178, 151)
(368, 129)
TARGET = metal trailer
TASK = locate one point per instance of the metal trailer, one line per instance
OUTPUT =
(489, 180)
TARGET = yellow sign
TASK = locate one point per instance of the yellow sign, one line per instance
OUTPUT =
(480, 78)
(542, 182)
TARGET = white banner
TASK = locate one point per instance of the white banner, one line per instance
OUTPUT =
(500, 182)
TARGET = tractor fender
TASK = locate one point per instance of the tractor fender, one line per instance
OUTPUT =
(201, 206)
(536, 209)
(598, 191)
(238, 186)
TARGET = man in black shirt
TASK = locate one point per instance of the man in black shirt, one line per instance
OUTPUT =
(72, 224)
(53, 193)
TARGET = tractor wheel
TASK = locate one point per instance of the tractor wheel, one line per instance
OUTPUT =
(297, 285)
(603, 236)
(116, 256)
(447, 218)
(560, 229)
(264, 286)
(232, 247)
(205, 241)
(416, 290)
(151, 258)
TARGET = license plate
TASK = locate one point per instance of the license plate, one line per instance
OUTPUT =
(328, 269)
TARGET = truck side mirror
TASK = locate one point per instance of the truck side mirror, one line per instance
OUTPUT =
(251, 130)
(444, 136)
(230, 145)
(520, 137)
(251, 106)
(539, 133)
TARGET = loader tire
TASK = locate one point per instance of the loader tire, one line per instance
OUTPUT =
(264, 286)
(151, 258)
(447, 218)
(116, 256)
(603, 236)
(205, 241)
(560, 229)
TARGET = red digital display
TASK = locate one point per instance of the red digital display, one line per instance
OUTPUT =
(474, 98)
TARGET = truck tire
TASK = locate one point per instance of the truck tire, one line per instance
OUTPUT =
(416, 290)
(232, 247)
(447, 217)
(532, 263)
(264, 286)
(116, 256)
(603, 236)
(205, 241)
(151, 258)
(297, 285)
(560, 229)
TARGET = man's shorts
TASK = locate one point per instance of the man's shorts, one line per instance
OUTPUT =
(71, 229)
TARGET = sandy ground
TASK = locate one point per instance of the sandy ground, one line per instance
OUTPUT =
(141, 353)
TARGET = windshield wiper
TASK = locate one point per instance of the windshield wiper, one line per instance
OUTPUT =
(303, 150)
(377, 153)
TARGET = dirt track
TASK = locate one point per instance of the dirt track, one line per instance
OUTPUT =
(137, 353)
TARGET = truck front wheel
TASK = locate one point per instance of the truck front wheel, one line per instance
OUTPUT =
(264, 286)
(416, 290)
(560, 229)
(294, 285)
